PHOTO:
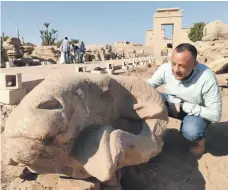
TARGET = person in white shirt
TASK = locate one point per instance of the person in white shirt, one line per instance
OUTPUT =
(65, 49)
(193, 94)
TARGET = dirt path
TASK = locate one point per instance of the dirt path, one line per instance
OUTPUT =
(175, 168)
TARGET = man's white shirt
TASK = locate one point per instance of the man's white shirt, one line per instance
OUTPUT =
(200, 92)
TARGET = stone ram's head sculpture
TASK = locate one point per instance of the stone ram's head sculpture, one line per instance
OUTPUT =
(215, 30)
(83, 125)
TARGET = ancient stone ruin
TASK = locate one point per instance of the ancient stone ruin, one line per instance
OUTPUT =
(213, 49)
(15, 54)
(215, 30)
(119, 50)
(47, 53)
(80, 126)
(13, 48)
(71, 124)
(155, 38)
(99, 53)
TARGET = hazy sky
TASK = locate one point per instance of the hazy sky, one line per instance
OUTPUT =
(100, 22)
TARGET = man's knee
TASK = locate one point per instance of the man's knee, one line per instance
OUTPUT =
(193, 127)
(190, 133)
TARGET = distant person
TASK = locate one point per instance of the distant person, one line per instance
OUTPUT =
(77, 53)
(116, 55)
(82, 49)
(74, 53)
(65, 50)
(193, 95)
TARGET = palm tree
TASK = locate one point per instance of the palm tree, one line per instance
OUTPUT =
(74, 41)
(54, 32)
(48, 38)
(42, 36)
(46, 25)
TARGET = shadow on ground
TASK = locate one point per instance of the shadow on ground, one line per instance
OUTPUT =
(175, 168)
(217, 139)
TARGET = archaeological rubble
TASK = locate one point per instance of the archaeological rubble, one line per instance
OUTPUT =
(72, 126)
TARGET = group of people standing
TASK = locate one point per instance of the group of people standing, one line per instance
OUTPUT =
(78, 52)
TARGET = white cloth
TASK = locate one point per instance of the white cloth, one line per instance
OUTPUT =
(62, 58)
(65, 46)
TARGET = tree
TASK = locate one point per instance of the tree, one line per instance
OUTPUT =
(74, 41)
(29, 44)
(196, 32)
(54, 33)
(48, 36)
(4, 38)
(58, 43)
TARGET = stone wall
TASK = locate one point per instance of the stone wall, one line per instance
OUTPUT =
(48, 53)
(13, 49)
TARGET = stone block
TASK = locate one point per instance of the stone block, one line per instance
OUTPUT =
(142, 63)
(125, 68)
(135, 63)
(10, 81)
(46, 63)
(110, 71)
(80, 69)
(9, 64)
(110, 66)
(124, 64)
(120, 71)
(12, 97)
(97, 72)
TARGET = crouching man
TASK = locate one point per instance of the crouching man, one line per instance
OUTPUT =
(193, 95)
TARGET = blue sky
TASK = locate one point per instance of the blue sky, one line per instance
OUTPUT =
(100, 22)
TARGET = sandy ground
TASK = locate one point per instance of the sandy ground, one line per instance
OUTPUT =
(177, 169)
(173, 169)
